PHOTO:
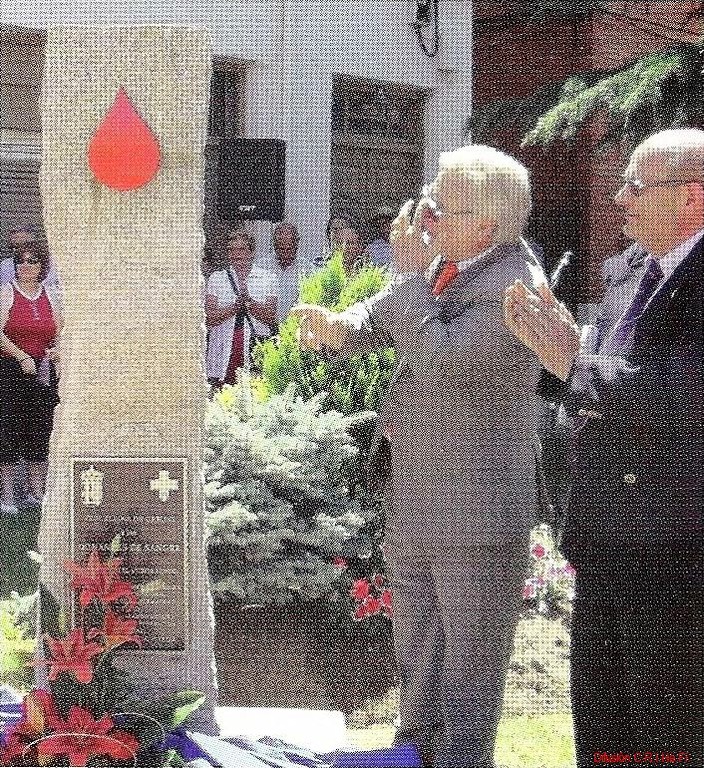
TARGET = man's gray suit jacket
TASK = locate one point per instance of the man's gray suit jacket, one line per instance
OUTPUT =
(461, 409)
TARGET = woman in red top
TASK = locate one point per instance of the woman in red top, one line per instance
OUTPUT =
(30, 322)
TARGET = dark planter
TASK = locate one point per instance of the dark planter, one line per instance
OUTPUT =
(288, 656)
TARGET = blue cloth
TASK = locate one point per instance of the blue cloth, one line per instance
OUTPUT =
(404, 756)
(271, 752)
(186, 747)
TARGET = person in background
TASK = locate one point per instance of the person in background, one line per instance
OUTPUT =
(333, 229)
(378, 251)
(30, 323)
(240, 307)
(634, 530)
(17, 238)
(459, 424)
(285, 268)
(351, 246)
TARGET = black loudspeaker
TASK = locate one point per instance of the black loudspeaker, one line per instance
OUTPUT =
(251, 179)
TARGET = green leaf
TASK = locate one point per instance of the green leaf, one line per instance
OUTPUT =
(173, 709)
(168, 712)
(186, 702)
(172, 759)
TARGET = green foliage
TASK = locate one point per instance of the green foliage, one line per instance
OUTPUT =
(283, 496)
(17, 643)
(658, 91)
(354, 384)
(325, 285)
(661, 90)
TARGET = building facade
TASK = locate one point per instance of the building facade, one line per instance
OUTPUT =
(574, 184)
(363, 109)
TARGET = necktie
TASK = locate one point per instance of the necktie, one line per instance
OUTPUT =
(447, 274)
(618, 339)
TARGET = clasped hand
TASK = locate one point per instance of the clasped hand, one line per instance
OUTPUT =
(544, 325)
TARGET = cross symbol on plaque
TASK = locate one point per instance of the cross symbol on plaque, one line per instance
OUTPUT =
(163, 484)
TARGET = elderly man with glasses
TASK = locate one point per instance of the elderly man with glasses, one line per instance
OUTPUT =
(634, 523)
(458, 423)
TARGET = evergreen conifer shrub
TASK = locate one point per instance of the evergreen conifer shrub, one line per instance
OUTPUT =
(354, 384)
(283, 497)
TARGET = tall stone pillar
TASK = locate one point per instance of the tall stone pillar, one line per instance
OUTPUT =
(132, 388)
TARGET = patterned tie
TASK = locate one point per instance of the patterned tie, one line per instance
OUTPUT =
(447, 274)
(619, 338)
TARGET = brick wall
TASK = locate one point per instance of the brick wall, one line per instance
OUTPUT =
(574, 185)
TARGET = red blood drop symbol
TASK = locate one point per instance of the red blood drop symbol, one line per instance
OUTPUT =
(123, 153)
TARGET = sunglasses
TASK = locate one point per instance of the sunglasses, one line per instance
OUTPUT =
(27, 260)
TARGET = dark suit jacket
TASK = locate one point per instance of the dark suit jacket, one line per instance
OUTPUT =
(638, 468)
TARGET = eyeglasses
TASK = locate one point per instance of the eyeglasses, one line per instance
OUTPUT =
(636, 187)
(27, 260)
(435, 210)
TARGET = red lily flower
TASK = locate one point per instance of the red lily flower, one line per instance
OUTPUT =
(379, 579)
(386, 602)
(101, 580)
(38, 713)
(80, 737)
(116, 631)
(360, 589)
(360, 612)
(373, 605)
(339, 562)
(72, 654)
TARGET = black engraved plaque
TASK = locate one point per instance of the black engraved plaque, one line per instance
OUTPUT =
(142, 501)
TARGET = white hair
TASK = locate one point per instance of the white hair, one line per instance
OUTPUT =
(495, 185)
(681, 151)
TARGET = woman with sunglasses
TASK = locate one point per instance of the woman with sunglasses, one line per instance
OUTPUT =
(30, 322)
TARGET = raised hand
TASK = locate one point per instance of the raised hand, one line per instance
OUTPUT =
(410, 253)
(544, 325)
(320, 327)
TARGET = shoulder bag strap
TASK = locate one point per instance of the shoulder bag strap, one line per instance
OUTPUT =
(244, 311)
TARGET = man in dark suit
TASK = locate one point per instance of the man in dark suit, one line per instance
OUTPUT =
(634, 522)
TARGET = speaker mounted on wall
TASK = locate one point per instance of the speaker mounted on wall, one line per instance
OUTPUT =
(251, 179)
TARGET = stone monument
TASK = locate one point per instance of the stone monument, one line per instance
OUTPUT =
(127, 443)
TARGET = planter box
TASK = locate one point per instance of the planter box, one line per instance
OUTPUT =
(282, 656)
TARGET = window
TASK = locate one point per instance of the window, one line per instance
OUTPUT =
(376, 111)
(225, 111)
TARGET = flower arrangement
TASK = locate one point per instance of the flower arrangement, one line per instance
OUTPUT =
(84, 716)
(550, 588)
(364, 593)
(372, 597)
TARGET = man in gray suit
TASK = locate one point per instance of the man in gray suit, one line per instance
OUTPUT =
(460, 418)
